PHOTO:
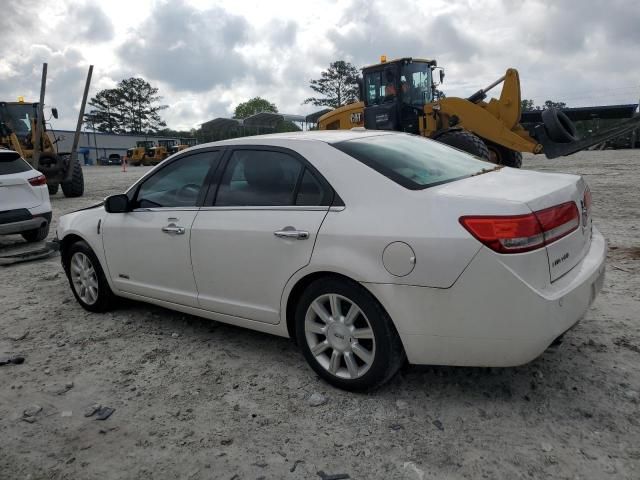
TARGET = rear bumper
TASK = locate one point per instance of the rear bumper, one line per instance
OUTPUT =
(36, 221)
(490, 317)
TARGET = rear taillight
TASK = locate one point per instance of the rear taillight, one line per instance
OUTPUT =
(38, 181)
(523, 233)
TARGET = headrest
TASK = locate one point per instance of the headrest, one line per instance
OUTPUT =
(261, 173)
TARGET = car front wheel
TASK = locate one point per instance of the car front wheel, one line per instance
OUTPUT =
(346, 336)
(86, 278)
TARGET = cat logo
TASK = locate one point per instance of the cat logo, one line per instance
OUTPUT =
(356, 117)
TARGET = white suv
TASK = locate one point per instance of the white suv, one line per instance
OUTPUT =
(24, 198)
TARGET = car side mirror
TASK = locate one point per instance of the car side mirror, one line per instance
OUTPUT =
(117, 203)
(442, 75)
(54, 112)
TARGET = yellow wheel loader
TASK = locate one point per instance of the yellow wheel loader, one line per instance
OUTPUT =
(402, 95)
(140, 154)
(23, 129)
(182, 144)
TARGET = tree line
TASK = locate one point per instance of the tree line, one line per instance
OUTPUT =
(130, 107)
(133, 105)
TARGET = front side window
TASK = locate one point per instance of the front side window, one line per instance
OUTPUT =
(373, 87)
(178, 184)
(259, 178)
(415, 84)
(412, 161)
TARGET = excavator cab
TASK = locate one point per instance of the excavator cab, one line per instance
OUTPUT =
(395, 93)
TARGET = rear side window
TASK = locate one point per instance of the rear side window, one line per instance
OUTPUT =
(413, 161)
(11, 162)
(259, 178)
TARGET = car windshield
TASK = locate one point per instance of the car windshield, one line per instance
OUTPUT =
(17, 116)
(413, 161)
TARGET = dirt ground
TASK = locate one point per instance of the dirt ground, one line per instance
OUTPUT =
(196, 399)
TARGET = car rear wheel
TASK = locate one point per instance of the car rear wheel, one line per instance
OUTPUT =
(86, 278)
(346, 336)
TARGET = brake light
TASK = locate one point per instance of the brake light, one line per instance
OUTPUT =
(523, 233)
(38, 181)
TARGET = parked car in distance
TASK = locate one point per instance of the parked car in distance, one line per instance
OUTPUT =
(24, 198)
(368, 248)
(112, 159)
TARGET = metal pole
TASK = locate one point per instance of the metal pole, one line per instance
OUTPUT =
(76, 137)
(37, 144)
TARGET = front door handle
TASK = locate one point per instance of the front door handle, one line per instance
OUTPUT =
(291, 232)
(173, 229)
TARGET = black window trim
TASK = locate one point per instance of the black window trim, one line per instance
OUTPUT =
(329, 194)
(132, 192)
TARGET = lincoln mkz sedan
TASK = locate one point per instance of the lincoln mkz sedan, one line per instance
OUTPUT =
(368, 248)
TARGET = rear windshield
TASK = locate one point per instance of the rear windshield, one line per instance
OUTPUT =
(413, 161)
(11, 162)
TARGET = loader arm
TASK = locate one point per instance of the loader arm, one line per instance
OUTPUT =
(497, 121)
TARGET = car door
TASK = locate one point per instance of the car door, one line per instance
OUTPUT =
(147, 249)
(259, 230)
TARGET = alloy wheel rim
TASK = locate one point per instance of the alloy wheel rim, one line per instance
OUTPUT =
(340, 336)
(84, 278)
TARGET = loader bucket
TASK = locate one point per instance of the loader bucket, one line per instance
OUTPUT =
(554, 149)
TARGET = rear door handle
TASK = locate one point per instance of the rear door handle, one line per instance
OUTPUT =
(291, 232)
(173, 229)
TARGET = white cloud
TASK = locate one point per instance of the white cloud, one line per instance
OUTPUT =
(206, 57)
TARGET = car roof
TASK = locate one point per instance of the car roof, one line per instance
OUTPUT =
(325, 136)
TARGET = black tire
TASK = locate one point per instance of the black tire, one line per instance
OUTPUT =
(36, 235)
(75, 186)
(388, 353)
(504, 156)
(558, 126)
(465, 141)
(53, 189)
(105, 297)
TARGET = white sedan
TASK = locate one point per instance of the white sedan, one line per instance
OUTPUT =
(368, 248)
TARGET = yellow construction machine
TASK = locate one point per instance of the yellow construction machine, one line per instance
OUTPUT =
(24, 129)
(140, 154)
(402, 95)
(182, 144)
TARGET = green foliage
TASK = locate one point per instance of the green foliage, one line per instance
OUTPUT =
(527, 105)
(337, 86)
(253, 106)
(130, 107)
(551, 104)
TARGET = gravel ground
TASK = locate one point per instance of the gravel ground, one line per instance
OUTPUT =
(196, 399)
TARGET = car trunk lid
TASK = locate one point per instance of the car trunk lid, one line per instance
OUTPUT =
(551, 197)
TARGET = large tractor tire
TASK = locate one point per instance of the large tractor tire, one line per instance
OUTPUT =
(558, 126)
(53, 189)
(75, 186)
(465, 141)
(504, 156)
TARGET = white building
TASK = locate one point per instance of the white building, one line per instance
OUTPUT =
(97, 145)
